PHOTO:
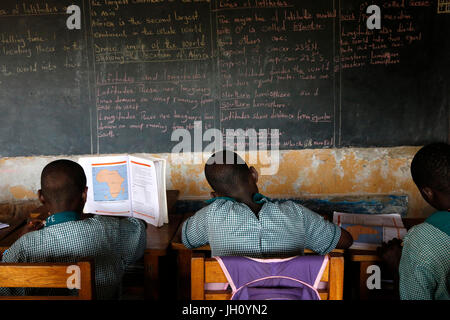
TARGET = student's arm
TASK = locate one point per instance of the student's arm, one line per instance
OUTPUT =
(417, 281)
(194, 232)
(133, 239)
(15, 254)
(323, 236)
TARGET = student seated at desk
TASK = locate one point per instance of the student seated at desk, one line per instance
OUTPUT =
(241, 222)
(424, 262)
(112, 243)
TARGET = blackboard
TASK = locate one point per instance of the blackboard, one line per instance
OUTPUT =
(139, 69)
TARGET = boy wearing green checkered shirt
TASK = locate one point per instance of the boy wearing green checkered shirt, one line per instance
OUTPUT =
(112, 243)
(424, 261)
(240, 221)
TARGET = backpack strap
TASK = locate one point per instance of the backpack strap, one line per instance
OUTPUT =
(227, 273)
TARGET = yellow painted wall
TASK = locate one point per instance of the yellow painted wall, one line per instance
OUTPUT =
(324, 172)
(301, 173)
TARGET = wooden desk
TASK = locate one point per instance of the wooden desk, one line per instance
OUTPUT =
(158, 242)
(366, 258)
(183, 261)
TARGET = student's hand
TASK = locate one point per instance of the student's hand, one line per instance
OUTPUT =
(391, 253)
(32, 225)
(345, 241)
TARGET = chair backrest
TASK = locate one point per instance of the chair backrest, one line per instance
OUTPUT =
(47, 275)
(207, 270)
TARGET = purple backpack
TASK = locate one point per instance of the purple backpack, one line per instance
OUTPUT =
(295, 278)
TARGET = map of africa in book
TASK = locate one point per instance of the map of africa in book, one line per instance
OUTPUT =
(126, 186)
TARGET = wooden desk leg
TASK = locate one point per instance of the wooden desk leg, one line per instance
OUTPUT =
(151, 281)
(363, 276)
(184, 274)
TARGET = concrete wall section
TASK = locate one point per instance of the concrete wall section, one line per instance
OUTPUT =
(301, 173)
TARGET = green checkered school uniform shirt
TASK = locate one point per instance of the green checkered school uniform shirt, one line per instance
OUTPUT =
(282, 229)
(113, 243)
(425, 264)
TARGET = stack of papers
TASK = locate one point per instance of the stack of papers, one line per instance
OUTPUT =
(369, 231)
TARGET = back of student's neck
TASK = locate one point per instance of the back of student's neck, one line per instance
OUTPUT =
(255, 207)
(57, 209)
(247, 199)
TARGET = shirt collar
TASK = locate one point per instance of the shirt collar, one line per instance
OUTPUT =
(61, 217)
(257, 198)
(217, 198)
(440, 220)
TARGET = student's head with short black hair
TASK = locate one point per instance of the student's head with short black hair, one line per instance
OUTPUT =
(430, 170)
(228, 175)
(63, 186)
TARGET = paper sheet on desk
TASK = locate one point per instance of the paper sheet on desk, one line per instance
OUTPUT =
(386, 220)
(369, 231)
(3, 225)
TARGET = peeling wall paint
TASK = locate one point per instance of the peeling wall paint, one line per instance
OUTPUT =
(301, 173)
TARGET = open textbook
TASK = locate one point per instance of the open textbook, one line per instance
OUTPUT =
(126, 186)
(369, 231)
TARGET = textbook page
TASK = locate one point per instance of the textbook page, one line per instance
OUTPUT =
(144, 190)
(391, 233)
(108, 185)
(369, 231)
(160, 167)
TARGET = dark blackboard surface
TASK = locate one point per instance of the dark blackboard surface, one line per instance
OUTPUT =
(44, 104)
(137, 71)
(405, 103)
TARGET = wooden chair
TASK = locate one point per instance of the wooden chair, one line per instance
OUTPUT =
(46, 275)
(207, 270)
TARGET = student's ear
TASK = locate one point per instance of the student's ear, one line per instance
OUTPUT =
(254, 174)
(84, 194)
(428, 194)
(41, 197)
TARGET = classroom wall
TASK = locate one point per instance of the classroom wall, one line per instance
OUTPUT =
(301, 173)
